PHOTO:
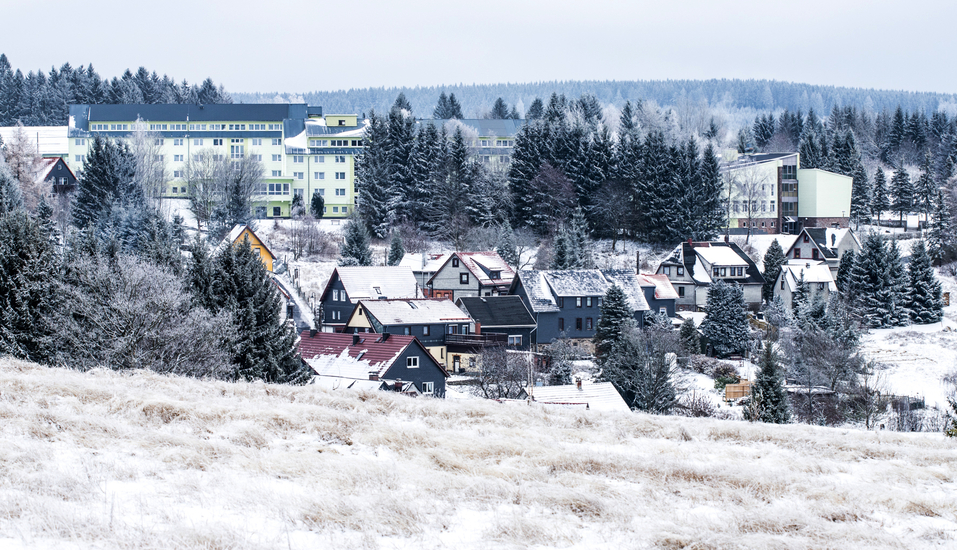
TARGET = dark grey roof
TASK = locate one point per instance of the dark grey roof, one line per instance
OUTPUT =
(691, 261)
(497, 311)
(191, 112)
(819, 236)
(484, 127)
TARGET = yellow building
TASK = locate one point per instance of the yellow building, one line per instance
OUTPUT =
(241, 232)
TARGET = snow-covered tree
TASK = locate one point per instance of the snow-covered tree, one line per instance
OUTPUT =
(396, 251)
(767, 391)
(923, 289)
(773, 260)
(355, 250)
(642, 368)
(880, 202)
(902, 190)
(615, 315)
(726, 324)
(506, 245)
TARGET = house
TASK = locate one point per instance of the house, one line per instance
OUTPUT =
(372, 361)
(824, 244)
(471, 274)
(348, 285)
(241, 232)
(424, 265)
(771, 193)
(566, 303)
(693, 266)
(596, 396)
(503, 315)
(659, 293)
(445, 330)
(818, 277)
(56, 176)
(302, 150)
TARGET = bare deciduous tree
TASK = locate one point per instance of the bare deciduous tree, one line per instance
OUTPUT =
(502, 374)
(748, 186)
(150, 167)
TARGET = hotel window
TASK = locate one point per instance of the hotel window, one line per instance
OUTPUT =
(178, 142)
(257, 158)
(177, 173)
(159, 141)
(217, 141)
(277, 173)
(322, 192)
(298, 159)
(198, 141)
(277, 158)
(257, 142)
(335, 209)
(177, 158)
(357, 143)
(81, 142)
(340, 175)
(237, 151)
(298, 175)
(340, 158)
(319, 175)
(277, 141)
(340, 192)
(319, 158)
(237, 127)
(274, 127)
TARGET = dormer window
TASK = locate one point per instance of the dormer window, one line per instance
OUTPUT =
(495, 274)
(378, 290)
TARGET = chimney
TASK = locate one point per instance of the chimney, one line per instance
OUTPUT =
(478, 327)
(355, 339)
(398, 385)
(312, 333)
(808, 265)
(423, 261)
(373, 375)
(833, 239)
(637, 262)
(689, 241)
(578, 382)
(726, 238)
(385, 336)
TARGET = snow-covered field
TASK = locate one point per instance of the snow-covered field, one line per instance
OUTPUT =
(107, 460)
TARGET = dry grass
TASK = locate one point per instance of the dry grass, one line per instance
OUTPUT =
(107, 460)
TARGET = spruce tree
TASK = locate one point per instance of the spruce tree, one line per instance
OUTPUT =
(726, 324)
(800, 297)
(860, 195)
(902, 189)
(265, 346)
(614, 317)
(396, 251)
(897, 285)
(506, 248)
(563, 251)
(355, 250)
(925, 189)
(768, 389)
(317, 205)
(923, 290)
(940, 241)
(773, 260)
(710, 214)
(879, 199)
(844, 271)
(688, 337)
(536, 110)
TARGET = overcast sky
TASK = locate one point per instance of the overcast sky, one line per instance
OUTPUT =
(306, 45)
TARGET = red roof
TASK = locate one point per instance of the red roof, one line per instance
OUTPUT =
(664, 290)
(378, 351)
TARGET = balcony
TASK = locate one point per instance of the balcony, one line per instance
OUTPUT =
(476, 340)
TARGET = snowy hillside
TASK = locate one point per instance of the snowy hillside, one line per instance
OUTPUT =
(105, 460)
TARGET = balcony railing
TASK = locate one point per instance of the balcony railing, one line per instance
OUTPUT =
(486, 339)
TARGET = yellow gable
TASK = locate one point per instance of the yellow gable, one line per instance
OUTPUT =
(259, 248)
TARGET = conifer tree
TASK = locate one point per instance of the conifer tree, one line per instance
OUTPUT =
(925, 190)
(563, 251)
(800, 297)
(372, 176)
(11, 199)
(506, 248)
(688, 337)
(940, 241)
(726, 325)
(711, 214)
(897, 284)
(860, 195)
(768, 389)
(879, 199)
(396, 251)
(842, 280)
(355, 250)
(902, 191)
(536, 110)
(923, 290)
(201, 274)
(773, 260)
(615, 316)
(106, 181)
(317, 205)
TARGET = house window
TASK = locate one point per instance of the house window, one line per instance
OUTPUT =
(578, 301)
(463, 278)
(662, 311)
(335, 295)
(407, 331)
(428, 388)
(814, 254)
(412, 362)
(820, 286)
(425, 330)
(797, 252)
(724, 271)
(455, 262)
(681, 292)
(465, 329)
(782, 283)
(589, 323)
(217, 141)
(453, 329)
(681, 270)
(715, 271)
(276, 211)
(514, 340)
(457, 363)
(666, 270)
(175, 190)
(561, 324)
(588, 301)
(806, 237)
(561, 302)
(578, 323)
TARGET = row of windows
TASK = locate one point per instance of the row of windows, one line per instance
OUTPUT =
(496, 143)
(335, 143)
(299, 159)
(589, 323)
(587, 301)
(666, 270)
(724, 271)
(742, 206)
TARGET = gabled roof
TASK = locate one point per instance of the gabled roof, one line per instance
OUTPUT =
(497, 311)
(481, 264)
(375, 282)
(236, 232)
(814, 272)
(663, 287)
(826, 239)
(599, 396)
(424, 262)
(335, 354)
(542, 286)
(424, 311)
(689, 254)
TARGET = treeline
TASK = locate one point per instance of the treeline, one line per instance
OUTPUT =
(115, 291)
(760, 95)
(43, 99)
(565, 160)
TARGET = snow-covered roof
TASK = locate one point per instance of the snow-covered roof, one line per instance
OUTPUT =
(663, 287)
(814, 272)
(318, 127)
(627, 280)
(424, 262)
(43, 168)
(47, 141)
(720, 255)
(542, 286)
(353, 356)
(577, 282)
(415, 312)
(536, 287)
(697, 316)
(482, 264)
(599, 396)
(376, 282)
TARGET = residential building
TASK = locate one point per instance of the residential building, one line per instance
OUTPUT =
(424, 265)
(596, 396)
(659, 293)
(372, 361)
(301, 150)
(56, 175)
(823, 244)
(348, 285)
(817, 277)
(693, 266)
(241, 232)
(471, 274)
(566, 303)
(771, 193)
(446, 331)
(503, 315)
